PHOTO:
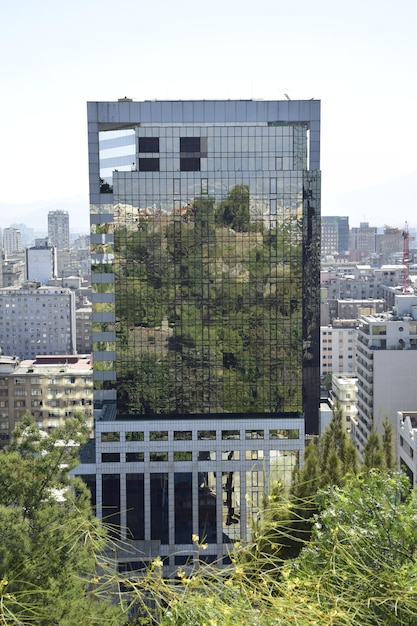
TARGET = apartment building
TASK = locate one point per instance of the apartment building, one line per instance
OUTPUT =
(50, 387)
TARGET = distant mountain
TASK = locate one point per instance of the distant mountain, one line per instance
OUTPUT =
(35, 214)
(392, 203)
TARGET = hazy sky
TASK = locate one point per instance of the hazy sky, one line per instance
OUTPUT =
(358, 58)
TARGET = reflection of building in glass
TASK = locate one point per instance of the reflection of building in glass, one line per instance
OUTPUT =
(205, 264)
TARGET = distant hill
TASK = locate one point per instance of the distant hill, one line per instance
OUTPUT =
(393, 202)
(35, 214)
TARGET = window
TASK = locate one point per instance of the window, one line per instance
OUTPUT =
(149, 165)
(182, 435)
(191, 149)
(206, 455)
(189, 164)
(110, 457)
(254, 434)
(230, 434)
(158, 456)
(134, 436)
(148, 144)
(284, 433)
(135, 457)
(158, 435)
(206, 434)
(183, 456)
(190, 144)
(111, 436)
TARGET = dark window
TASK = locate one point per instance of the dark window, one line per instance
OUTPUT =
(189, 144)
(189, 164)
(149, 165)
(111, 502)
(135, 506)
(148, 144)
(110, 457)
(135, 457)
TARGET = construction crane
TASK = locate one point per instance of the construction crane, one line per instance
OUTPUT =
(406, 258)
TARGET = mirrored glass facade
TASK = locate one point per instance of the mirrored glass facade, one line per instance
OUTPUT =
(205, 224)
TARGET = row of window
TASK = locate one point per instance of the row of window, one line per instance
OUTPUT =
(187, 435)
(179, 455)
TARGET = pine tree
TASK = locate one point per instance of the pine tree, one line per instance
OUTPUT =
(388, 445)
(50, 540)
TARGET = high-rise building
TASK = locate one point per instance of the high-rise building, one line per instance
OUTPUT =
(334, 234)
(58, 229)
(386, 362)
(12, 240)
(41, 261)
(363, 240)
(205, 228)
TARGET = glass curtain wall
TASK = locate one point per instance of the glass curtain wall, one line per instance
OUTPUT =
(208, 243)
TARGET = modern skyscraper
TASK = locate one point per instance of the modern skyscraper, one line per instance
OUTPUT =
(58, 229)
(205, 228)
(334, 234)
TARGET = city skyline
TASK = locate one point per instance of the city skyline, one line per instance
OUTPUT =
(357, 59)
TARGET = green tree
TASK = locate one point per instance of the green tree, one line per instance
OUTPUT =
(233, 211)
(50, 571)
(359, 569)
(388, 445)
(373, 453)
(361, 560)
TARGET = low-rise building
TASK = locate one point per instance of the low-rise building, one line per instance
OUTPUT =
(51, 388)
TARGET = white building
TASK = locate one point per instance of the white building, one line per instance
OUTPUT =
(41, 262)
(37, 320)
(12, 240)
(407, 444)
(344, 393)
(337, 348)
(386, 364)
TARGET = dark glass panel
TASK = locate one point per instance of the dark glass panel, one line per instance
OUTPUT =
(135, 506)
(183, 507)
(148, 144)
(111, 502)
(159, 507)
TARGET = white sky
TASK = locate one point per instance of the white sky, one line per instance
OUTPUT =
(358, 57)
